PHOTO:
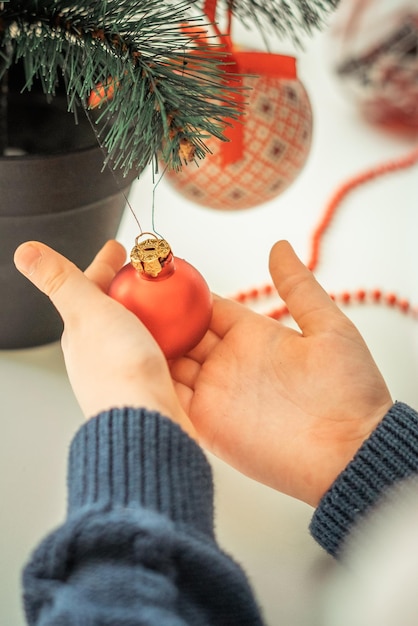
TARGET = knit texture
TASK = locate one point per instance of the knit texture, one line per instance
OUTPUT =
(128, 458)
(137, 546)
(389, 455)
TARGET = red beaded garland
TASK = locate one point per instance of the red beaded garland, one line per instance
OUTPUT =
(373, 296)
(336, 200)
(360, 296)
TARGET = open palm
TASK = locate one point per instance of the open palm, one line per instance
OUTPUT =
(288, 408)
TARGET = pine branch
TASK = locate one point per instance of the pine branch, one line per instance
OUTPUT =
(169, 94)
(283, 18)
(159, 104)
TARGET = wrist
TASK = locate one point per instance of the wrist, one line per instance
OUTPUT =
(133, 396)
(389, 455)
(344, 450)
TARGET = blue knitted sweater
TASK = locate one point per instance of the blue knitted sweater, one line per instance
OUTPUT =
(138, 547)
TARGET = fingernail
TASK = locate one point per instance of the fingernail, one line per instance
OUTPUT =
(27, 258)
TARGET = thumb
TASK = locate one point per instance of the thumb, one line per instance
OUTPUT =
(308, 303)
(54, 275)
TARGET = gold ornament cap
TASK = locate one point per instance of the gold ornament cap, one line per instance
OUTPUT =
(151, 255)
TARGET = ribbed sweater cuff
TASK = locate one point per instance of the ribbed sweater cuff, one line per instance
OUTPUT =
(130, 458)
(388, 456)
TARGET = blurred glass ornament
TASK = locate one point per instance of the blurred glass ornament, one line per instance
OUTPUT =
(374, 52)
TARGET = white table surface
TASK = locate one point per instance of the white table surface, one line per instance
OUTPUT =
(371, 243)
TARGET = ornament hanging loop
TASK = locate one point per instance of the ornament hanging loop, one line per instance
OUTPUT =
(151, 255)
(143, 233)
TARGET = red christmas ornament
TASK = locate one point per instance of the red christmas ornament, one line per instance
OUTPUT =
(167, 294)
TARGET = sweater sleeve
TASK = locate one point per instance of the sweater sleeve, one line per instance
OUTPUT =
(137, 546)
(387, 457)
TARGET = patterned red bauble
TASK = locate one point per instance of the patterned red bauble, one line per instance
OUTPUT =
(167, 294)
(276, 139)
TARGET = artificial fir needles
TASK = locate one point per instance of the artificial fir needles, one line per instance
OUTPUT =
(169, 93)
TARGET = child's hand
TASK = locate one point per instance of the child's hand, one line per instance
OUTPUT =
(288, 408)
(111, 358)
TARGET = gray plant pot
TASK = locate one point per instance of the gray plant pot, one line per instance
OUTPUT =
(52, 189)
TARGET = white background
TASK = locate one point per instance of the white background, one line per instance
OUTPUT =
(371, 243)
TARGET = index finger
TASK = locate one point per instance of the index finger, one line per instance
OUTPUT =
(308, 303)
(105, 264)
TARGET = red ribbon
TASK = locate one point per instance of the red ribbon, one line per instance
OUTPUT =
(239, 64)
